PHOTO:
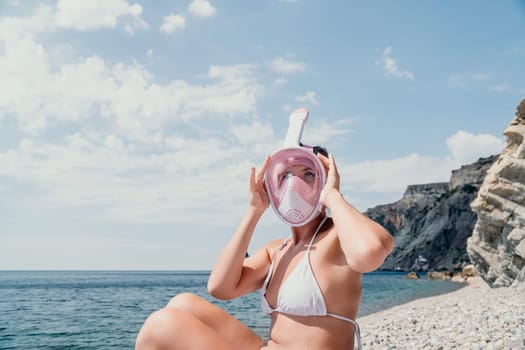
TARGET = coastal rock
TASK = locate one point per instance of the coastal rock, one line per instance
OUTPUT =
(458, 278)
(432, 222)
(470, 174)
(440, 275)
(469, 271)
(412, 276)
(497, 245)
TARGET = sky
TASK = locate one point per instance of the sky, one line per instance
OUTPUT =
(128, 128)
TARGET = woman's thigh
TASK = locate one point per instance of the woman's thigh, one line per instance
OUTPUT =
(190, 322)
(224, 324)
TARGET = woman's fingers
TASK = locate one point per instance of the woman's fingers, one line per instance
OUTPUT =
(332, 164)
(328, 163)
(252, 178)
(324, 160)
(256, 180)
(264, 166)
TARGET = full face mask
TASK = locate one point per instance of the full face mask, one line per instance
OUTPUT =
(295, 177)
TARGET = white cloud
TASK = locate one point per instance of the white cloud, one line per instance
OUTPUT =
(239, 71)
(287, 108)
(467, 147)
(130, 181)
(280, 81)
(257, 132)
(285, 66)
(467, 79)
(77, 15)
(499, 87)
(140, 150)
(124, 154)
(201, 9)
(41, 20)
(391, 68)
(370, 183)
(14, 3)
(389, 178)
(393, 175)
(96, 14)
(140, 105)
(172, 23)
(308, 97)
(323, 133)
(479, 79)
(38, 95)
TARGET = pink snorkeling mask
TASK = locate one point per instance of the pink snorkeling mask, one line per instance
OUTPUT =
(295, 177)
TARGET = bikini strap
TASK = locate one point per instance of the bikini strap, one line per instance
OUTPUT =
(357, 331)
(283, 244)
(315, 234)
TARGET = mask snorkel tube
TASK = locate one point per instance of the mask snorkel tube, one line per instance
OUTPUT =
(295, 176)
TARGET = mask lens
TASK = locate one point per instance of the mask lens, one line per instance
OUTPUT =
(299, 171)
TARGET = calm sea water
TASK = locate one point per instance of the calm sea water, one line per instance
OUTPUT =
(105, 309)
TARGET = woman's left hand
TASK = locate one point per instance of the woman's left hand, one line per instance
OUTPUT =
(332, 178)
(258, 196)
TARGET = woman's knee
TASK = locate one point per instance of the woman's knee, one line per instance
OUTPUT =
(184, 301)
(162, 328)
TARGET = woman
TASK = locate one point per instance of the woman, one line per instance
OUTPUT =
(310, 283)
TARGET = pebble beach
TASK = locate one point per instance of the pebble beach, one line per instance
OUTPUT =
(473, 317)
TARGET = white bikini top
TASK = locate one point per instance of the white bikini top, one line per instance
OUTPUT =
(300, 294)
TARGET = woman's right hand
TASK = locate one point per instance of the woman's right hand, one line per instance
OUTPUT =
(258, 195)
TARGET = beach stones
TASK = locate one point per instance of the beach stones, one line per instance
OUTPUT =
(473, 317)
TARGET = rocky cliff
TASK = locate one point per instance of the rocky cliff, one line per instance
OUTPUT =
(497, 245)
(432, 222)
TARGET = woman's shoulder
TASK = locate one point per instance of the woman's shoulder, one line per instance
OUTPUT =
(274, 245)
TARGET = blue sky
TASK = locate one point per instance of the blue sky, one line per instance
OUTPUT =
(127, 128)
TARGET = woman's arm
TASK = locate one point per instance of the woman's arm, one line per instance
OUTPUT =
(234, 275)
(364, 242)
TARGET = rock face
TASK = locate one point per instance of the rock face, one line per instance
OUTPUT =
(497, 245)
(432, 222)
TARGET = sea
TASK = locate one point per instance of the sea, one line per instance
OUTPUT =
(105, 309)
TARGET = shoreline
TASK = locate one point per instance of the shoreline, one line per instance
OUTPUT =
(472, 317)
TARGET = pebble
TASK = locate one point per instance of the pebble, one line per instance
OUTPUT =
(475, 317)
